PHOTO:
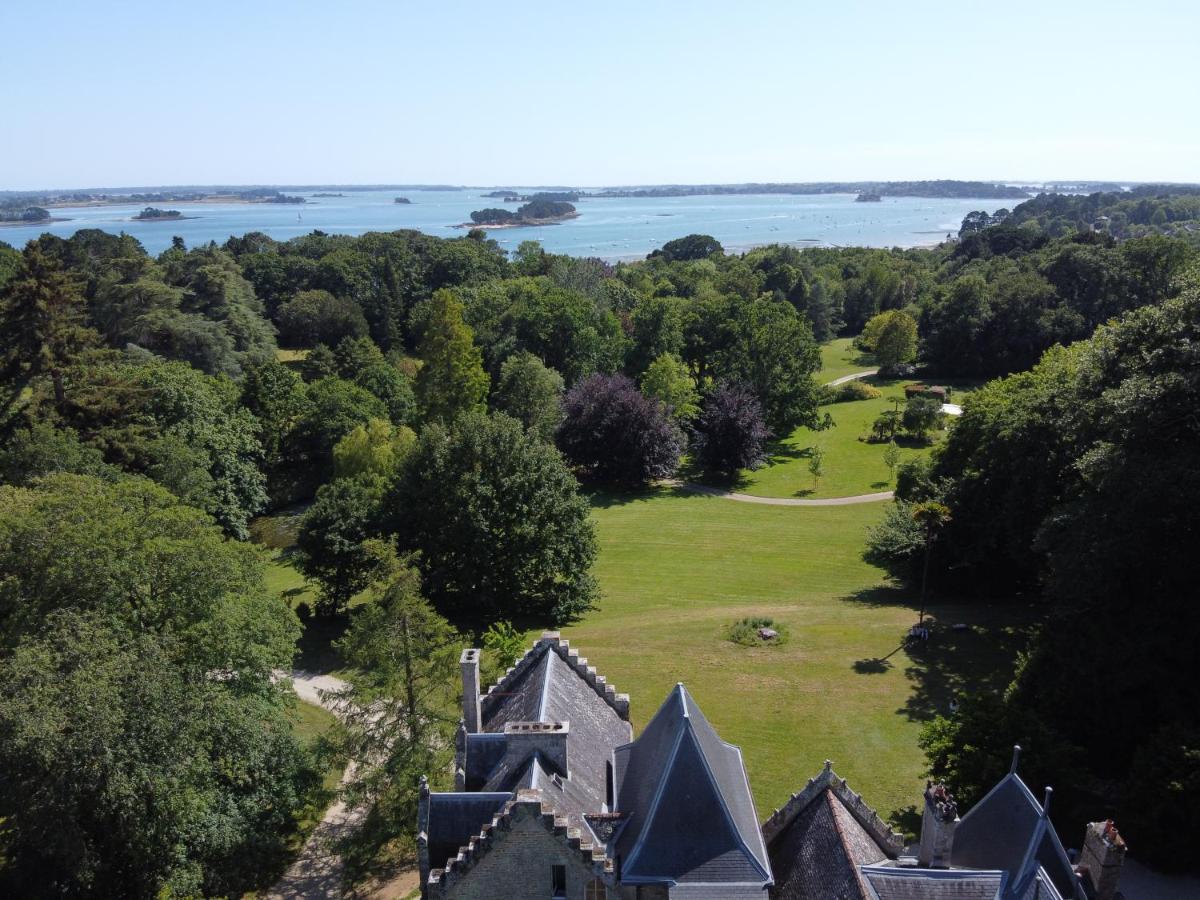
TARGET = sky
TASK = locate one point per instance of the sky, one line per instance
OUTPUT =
(128, 93)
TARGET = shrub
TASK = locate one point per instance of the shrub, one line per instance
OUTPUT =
(746, 632)
(850, 391)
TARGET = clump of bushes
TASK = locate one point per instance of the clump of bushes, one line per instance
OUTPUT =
(757, 631)
(850, 391)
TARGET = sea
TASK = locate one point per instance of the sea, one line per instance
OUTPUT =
(617, 228)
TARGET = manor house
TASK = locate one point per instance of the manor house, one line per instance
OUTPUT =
(555, 798)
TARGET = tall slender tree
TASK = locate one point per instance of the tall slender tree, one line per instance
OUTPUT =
(452, 380)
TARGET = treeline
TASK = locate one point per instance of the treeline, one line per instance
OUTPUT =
(940, 188)
(1075, 483)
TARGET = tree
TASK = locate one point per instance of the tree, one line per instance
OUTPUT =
(771, 349)
(922, 414)
(376, 448)
(166, 780)
(399, 709)
(318, 317)
(43, 321)
(895, 340)
(693, 246)
(277, 398)
(335, 408)
(730, 433)
(896, 541)
(615, 433)
(175, 424)
(451, 381)
(891, 456)
(816, 465)
(668, 380)
(498, 521)
(331, 538)
(930, 516)
(531, 393)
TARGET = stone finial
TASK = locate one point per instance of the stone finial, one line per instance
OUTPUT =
(1046, 798)
(1016, 758)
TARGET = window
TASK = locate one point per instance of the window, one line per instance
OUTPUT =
(558, 879)
(608, 785)
(595, 890)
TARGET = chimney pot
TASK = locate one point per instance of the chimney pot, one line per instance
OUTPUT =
(1102, 856)
(938, 823)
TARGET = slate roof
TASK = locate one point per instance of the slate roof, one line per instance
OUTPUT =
(821, 837)
(551, 683)
(888, 883)
(689, 815)
(1010, 830)
(455, 818)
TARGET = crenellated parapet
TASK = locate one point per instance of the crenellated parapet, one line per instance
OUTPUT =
(527, 806)
(552, 641)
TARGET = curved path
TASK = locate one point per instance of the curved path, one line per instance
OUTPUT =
(694, 488)
(316, 872)
(786, 501)
(854, 377)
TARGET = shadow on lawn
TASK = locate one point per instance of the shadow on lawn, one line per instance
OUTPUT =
(972, 648)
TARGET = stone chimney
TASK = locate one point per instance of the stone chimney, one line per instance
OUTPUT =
(937, 827)
(469, 663)
(523, 739)
(1101, 859)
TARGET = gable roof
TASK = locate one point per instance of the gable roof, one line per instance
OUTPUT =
(689, 815)
(525, 805)
(1010, 830)
(821, 837)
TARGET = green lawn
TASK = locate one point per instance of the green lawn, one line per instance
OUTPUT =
(839, 358)
(676, 570)
(851, 466)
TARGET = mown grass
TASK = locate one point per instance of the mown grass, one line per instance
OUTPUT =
(677, 570)
(839, 358)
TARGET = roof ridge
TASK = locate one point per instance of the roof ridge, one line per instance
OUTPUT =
(841, 836)
(890, 841)
(551, 640)
(525, 802)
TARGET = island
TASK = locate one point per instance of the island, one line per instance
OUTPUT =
(402, 200)
(153, 214)
(869, 197)
(323, 194)
(26, 215)
(535, 212)
(503, 195)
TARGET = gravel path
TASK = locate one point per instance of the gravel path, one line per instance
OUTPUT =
(776, 501)
(853, 377)
(316, 873)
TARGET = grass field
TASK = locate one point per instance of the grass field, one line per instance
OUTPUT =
(676, 570)
(839, 358)
(852, 466)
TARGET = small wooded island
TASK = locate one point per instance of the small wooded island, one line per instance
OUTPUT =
(538, 211)
(869, 197)
(25, 215)
(402, 200)
(154, 214)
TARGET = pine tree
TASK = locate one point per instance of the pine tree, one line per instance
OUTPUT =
(43, 321)
(452, 380)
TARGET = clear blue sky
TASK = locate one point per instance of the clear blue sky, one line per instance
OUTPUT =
(594, 93)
